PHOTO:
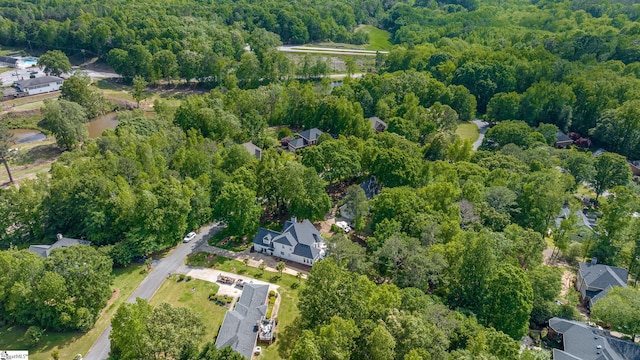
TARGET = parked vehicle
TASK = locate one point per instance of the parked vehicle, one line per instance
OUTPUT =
(190, 236)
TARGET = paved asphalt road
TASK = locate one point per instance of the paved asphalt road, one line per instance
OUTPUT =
(482, 127)
(148, 286)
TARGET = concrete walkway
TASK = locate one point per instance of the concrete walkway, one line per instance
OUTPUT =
(255, 259)
(211, 275)
(482, 127)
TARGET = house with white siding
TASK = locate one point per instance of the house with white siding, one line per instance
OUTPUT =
(299, 242)
(39, 85)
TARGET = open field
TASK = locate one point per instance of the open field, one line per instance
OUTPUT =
(288, 290)
(467, 130)
(378, 38)
(72, 343)
(194, 295)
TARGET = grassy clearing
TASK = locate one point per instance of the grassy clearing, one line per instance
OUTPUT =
(378, 38)
(467, 130)
(69, 344)
(181, 294)
(289, 287)
(21, 121)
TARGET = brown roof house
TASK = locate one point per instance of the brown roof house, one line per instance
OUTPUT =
(595, 280)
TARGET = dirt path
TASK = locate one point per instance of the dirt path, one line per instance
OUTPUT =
(568, 278)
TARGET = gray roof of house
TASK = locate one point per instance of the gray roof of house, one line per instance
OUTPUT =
(598, 276)
(562, 137)
(45, 250)
(581, 342)
(301, 236)
(311, 134)
(239, 329)
(8, 59)
(37, 81)
(371, 187)
(251, 148)
(297, 143)
(376, 123)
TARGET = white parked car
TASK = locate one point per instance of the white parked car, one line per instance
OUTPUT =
(344, 226)
(190, 236)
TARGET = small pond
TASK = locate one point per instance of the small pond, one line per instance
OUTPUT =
(22, 136)
(102, 123)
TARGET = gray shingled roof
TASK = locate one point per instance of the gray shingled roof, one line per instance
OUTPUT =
(37, 81)
(562, 137)
(301, 236)
(45, 250)
(598, 276)
(297, 143)
(377, 123)
(8, 60)
(581, 342)
(311, 134)
(239, 329)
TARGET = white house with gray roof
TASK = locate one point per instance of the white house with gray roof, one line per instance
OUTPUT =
(240, 328)
(595, 280)
(45, 250)
(298, 242)
(39, 85)
(581, 342)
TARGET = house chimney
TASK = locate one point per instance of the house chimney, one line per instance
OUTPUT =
(294, 219)
(59, 237)
(594, 261)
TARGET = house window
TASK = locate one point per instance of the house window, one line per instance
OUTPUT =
(281, 252)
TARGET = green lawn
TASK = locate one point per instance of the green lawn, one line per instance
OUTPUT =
(378, 38)
(180, 294)
(468, 130)
(72, 343)
(288, 290)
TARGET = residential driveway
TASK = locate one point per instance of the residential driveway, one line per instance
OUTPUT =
(148, 286)
(482, 127)
(211, 275)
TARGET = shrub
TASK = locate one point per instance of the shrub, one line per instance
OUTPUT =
(269, 312)
(295, 285)
(336, 229)
(272, 293)
(32, 336)
(180, 277)
(189, 278)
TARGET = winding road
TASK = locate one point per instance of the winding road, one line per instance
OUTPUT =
(482, 128)
(148, 286)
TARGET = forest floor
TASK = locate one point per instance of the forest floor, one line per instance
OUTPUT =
(33, 158)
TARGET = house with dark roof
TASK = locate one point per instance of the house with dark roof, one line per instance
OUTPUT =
(580, 342)
(253, 150)
(45, 250)
(304, 139)
(595, 280)
(377, 124)
(240, 327)
(562, 140)
(299, 241)
(39, 85)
